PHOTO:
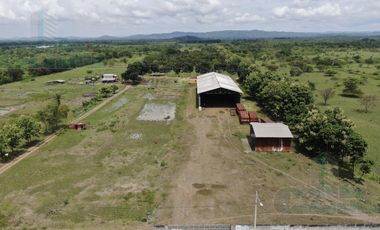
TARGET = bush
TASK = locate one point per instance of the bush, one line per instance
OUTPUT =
(351, 87)
(295, 71)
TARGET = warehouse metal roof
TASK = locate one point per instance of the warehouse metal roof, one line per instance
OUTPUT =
(212, 81)
(271, 130)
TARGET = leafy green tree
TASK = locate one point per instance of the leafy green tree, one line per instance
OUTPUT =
(351, 87)
(295, 71)
(114, 88)
(243, 71)
(134, 71)
(203, 67)
(365, 166)
(13, 135)
(53, 115)
(286, 100)
(330, 132)
(330, 73)
(15, 73)
(355, 149)
(4, 142)
(29, 127)
(255, 82)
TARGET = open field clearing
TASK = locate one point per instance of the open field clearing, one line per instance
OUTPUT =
(27, 97)
(218, 182)
(101, 176)
(149, 156)
(125, 172)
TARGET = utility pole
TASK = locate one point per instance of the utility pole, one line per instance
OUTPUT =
(257, 201)
(255, 215)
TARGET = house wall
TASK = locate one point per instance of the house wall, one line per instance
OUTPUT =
(272, 144)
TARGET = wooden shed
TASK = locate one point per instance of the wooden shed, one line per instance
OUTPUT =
(270, 137)
(78, 126)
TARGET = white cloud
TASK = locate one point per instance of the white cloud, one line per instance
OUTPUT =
(326, 9)
(147, 16)
(247, 17)
(281, 11)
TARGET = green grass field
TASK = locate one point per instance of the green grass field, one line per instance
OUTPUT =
(101, 174)
(119, 171)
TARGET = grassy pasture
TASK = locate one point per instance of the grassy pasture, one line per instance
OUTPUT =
(367, 124)
(27, 97)
(101, 175)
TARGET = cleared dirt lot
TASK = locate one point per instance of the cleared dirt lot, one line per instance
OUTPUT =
(216, 185)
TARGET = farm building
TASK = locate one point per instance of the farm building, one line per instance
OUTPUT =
(109, 78)
(274, 137)
(217, 90)
(56, 82)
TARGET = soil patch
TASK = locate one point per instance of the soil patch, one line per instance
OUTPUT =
(157, 112)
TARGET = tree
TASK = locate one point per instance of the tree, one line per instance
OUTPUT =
(351, 87)
(114, 88)
(325, 132)
(365, 166)
(286, 99)
(13, 135)
(4, 143)
(368, 101)
(355, 149)
(243, 71)
(203, 67)
(295, 71)
(134, 71)
(327, 94)
(15, 73)
(29, 127)
(53, 115)
(330, 73)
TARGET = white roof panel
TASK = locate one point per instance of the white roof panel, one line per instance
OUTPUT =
(212, 81)
(271, 130)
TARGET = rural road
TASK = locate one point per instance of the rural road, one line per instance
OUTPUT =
(33, 149)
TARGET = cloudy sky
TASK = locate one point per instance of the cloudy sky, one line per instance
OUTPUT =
(89, 18)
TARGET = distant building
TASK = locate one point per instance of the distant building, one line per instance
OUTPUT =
(217, 90)
(270, 137)
(109, 78)
(56, 82)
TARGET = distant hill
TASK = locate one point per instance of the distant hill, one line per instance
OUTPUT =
(207, 36)
(245, 35)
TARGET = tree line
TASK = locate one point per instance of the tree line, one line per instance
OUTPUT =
(318, 133)
(205, 59)
(26, 129)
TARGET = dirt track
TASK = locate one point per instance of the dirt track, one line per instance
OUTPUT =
(209, 185)
(31, 150)
(216, 185)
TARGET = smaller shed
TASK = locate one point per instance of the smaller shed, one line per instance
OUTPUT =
(78, 126)
(109, 78)
(274, 137)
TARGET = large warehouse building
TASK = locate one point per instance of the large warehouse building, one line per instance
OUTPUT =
(217, 90)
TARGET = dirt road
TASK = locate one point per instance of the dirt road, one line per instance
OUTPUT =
(216, 185)
(33, 149)
(210, 184)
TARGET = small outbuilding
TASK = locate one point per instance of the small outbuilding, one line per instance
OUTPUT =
(109, 78)
(56, 82)
(270, 137)
(217, 90)
(78, 126)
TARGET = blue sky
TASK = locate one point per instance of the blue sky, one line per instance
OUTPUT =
(89, 18)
